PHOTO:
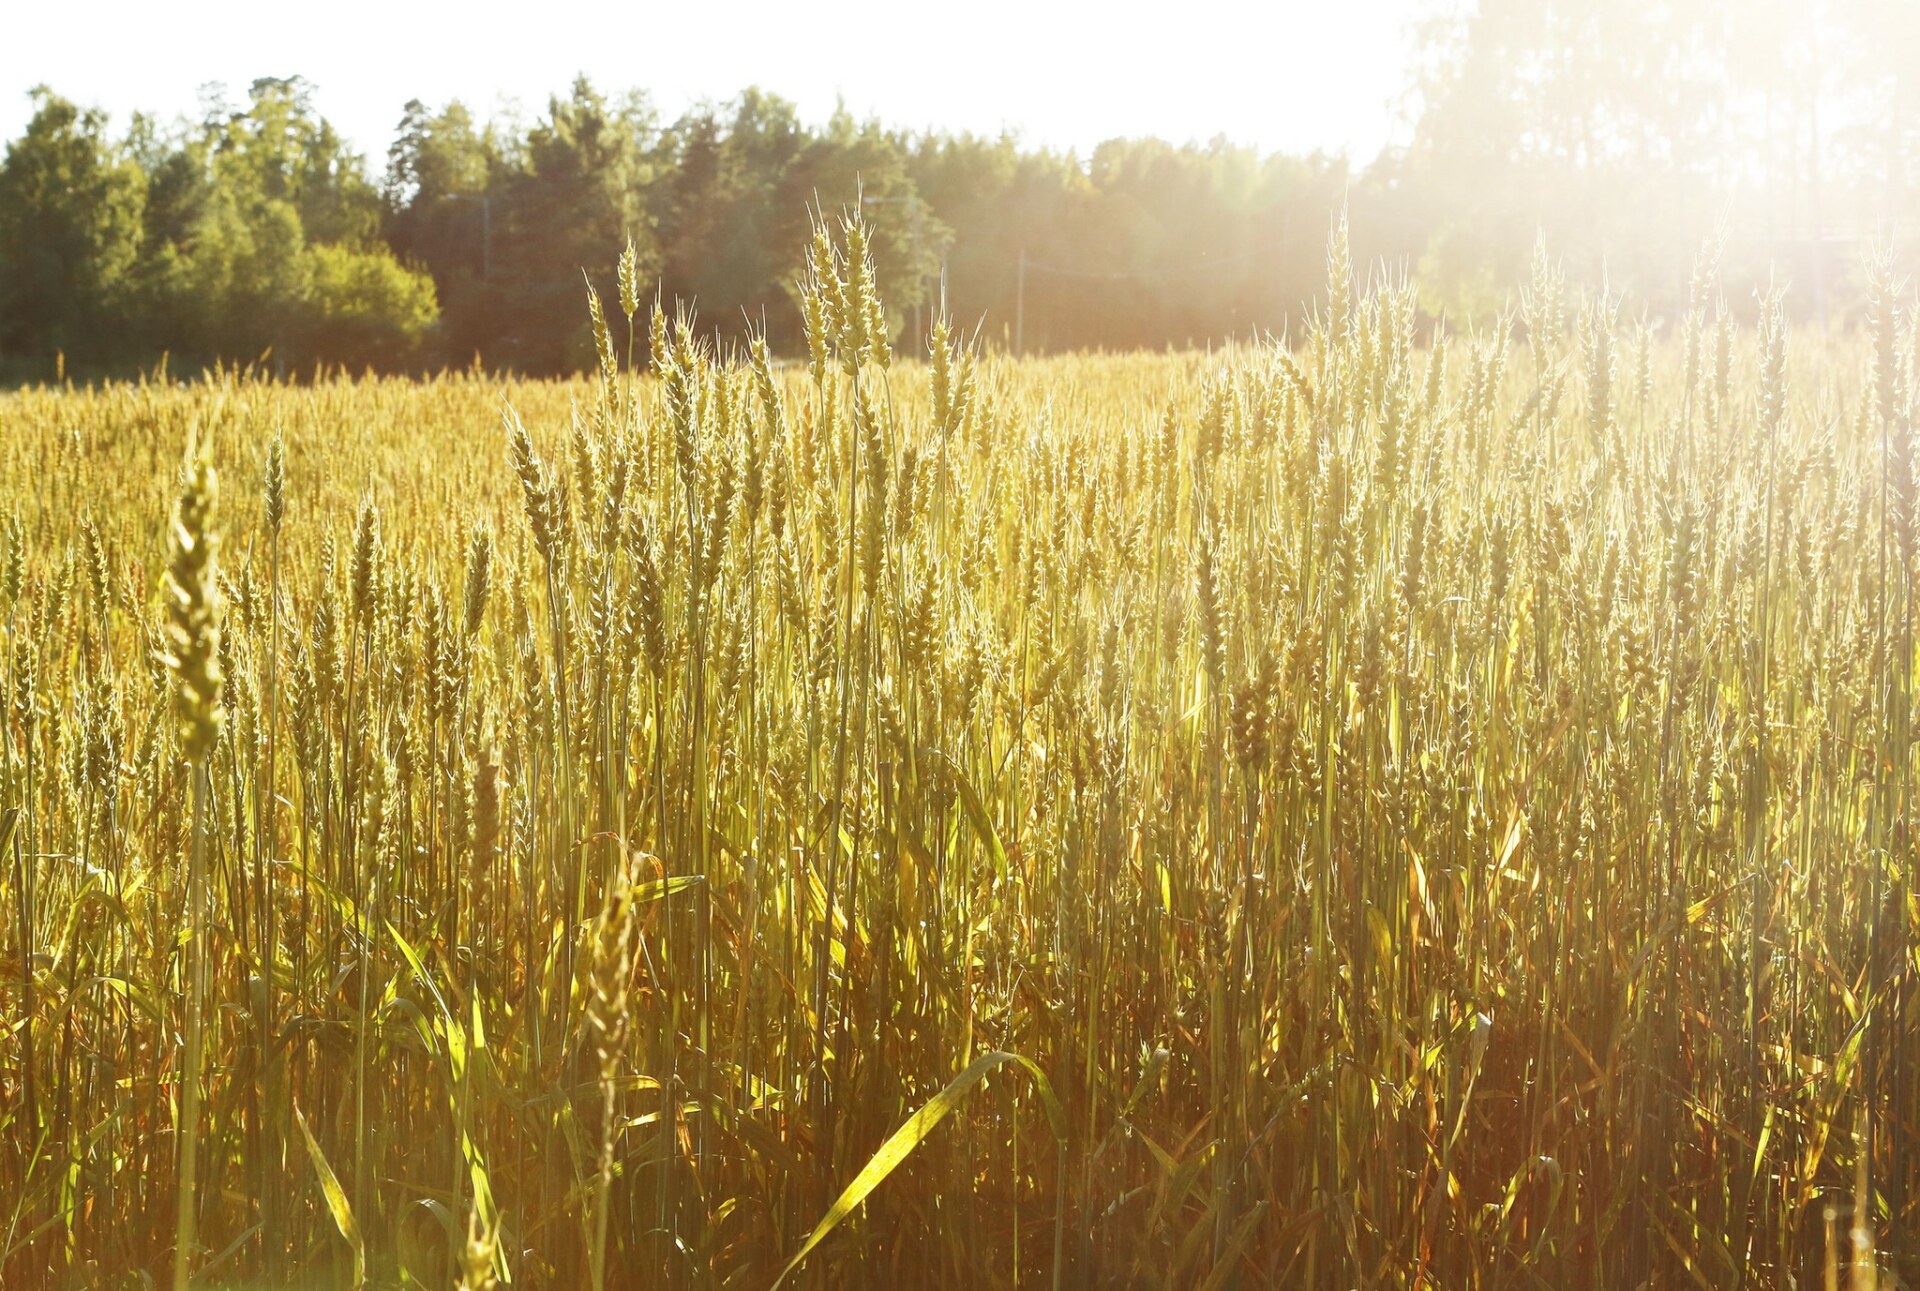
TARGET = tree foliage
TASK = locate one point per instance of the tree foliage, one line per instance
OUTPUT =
(71, 204)
(1626, 133)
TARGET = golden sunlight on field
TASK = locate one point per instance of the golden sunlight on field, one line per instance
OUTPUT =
(1390, 807)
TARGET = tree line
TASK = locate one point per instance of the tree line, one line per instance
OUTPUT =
(1627, 134)
(255, 235)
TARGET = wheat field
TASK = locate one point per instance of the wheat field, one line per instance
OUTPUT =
(1390, 807)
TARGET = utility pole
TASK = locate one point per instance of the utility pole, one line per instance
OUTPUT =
(1020, 306)
(486, 229)
(1814, 216)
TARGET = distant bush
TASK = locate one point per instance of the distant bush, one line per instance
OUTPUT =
(367, 309)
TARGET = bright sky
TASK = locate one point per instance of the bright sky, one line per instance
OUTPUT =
(1289, 75)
